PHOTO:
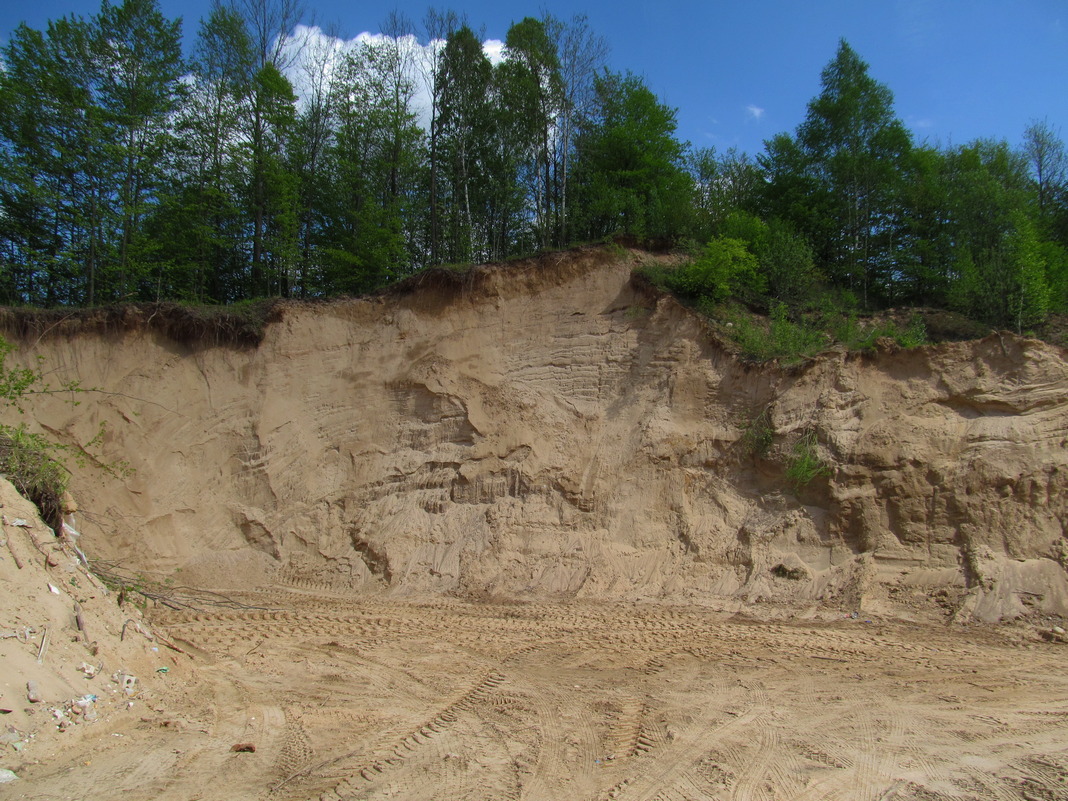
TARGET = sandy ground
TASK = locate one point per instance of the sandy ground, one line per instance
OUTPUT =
(359, 699)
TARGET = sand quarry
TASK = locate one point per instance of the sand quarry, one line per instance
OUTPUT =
(506, 535)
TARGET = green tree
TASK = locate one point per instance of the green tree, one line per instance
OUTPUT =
(310, 162)
(628, 168)
(840, 181)
(54, 181)
(202, 219)
(723, 185)
(464, 82)
(927, 243)
(1048, 163)
(375, 166)
(724, 268)
(785, 266)
(1007, 285)
(582, 54)
(139, 91)
(438, 26)
(999, 273)
(532, 91)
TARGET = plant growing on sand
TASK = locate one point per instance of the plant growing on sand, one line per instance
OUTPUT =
(758, 435)
(32, 462)
(804, 463)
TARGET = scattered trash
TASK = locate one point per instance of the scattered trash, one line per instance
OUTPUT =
(44, 646)
(7, 776)
(243, 748)
(163, 669)
(126, 681)
(84, 708)
(89, 670)
(21, 634)
(33, 692)
(52, 589)
(18, 521)
(1058, 630)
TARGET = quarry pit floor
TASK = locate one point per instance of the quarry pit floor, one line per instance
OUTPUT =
(346, 698)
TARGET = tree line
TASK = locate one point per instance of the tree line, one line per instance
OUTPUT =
(131, 172)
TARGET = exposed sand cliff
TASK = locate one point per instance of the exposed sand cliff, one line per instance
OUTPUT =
(552, 429)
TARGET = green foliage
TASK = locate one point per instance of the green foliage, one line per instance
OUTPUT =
(847, 330)
(628, 174)
(779, 338)
(841, 180)
(804, 464)
(1007, 285)
(1055, 257)
(723, 186)
(33, 463)
(786, 268)
(85, 110)
(724, 268)
(15, 382)
(29, 460)
(129, 173)
(758, 435)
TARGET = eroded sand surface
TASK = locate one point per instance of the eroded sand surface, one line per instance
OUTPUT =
(446, 700)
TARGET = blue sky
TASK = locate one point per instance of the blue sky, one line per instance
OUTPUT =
(740, 72)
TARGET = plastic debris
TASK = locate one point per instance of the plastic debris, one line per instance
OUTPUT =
(163, 669)
(127, 682)
(7, 776)
(84, 708)
(52, 589)
(88, 670)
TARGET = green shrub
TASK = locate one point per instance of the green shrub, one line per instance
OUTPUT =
(33, 463)
(758, 435)
(782, 338)
(28, 461)
(724, 268)
(804, 463)
(856, 336)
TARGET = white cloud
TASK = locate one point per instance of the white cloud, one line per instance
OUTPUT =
(754, 112)
(494, 50)
(313, 46)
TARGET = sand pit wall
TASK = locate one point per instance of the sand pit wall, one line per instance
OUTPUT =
(554, 428)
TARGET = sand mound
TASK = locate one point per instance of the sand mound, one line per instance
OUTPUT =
(72, 657)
